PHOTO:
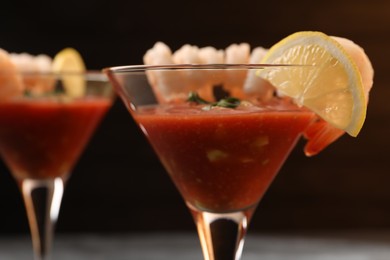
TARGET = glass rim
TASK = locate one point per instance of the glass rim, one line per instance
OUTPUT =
(92, 75)
(211, 66)
(50, 73)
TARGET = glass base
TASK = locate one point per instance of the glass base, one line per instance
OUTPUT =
(42, 199)
(222, 234)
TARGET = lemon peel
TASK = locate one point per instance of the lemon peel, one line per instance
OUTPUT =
(70, 65)
(329, 82)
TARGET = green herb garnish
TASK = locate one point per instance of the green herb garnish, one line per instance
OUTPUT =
(195, 98)
(229, 102)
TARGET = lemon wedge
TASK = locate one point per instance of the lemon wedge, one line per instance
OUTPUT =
(70, 65)
(327, 80)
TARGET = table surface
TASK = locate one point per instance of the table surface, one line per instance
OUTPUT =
(161, 246)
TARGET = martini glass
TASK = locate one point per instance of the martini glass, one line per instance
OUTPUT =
(42, 135)
(221, 159)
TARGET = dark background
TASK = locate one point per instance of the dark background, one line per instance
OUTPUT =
(119, 185)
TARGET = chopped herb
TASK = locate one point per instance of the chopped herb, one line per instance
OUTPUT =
(195, 98)
(229, 102)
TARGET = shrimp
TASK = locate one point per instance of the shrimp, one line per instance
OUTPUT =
(234, 81)
(194, 79)
(362, 62)
(255, 85)
(210, 55)
(167, 85)
(320, 134)
(35, 71)
(11, 84)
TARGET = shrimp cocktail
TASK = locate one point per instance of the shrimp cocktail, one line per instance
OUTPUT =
(223, 122)
(49, 108)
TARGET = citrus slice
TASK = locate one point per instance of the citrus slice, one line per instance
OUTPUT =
(70, 65)
(326, 80)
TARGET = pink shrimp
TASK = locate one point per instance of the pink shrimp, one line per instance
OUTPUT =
(320, 134)
(234, 81)
(11, 84)
(255, 85)
(167, 85)
(35, 72)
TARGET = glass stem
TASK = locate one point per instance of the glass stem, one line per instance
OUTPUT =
(222, 234)
(42, 199)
